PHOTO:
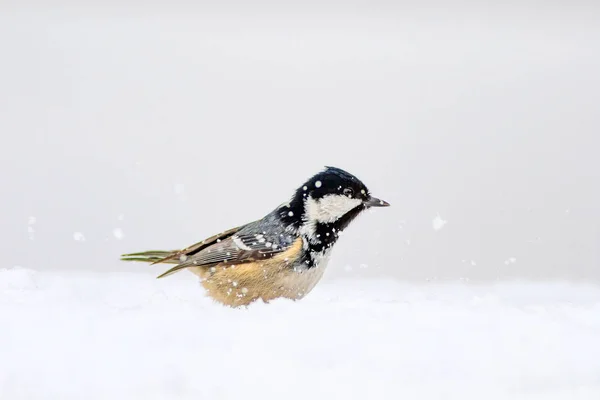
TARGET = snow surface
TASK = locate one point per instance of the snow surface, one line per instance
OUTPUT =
(130, 336)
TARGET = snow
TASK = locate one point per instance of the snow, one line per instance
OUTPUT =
(78, 236)
(30, 229)
(83, 335)
(118, 233)
(438, 223)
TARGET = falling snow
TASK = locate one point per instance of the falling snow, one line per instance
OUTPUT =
(118, 233)
(318, 184)
(78, 236)
(179, 188)
(30, 229)
(438, 223)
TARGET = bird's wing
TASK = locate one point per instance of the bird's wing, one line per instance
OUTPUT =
(259, 240)
(174, 256)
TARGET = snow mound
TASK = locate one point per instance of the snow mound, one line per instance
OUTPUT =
(130, 336)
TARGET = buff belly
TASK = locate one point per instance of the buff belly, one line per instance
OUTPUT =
(242, 284)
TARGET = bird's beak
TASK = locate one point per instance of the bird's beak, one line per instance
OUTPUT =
(375, 202)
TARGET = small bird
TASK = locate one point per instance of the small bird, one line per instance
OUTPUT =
(282, 255)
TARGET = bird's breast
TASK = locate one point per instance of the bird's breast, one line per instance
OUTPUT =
(284, 275)
(301, 280)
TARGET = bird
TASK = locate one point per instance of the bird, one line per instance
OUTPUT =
(282, 255)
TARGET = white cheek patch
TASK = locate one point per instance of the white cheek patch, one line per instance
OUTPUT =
(330, 208)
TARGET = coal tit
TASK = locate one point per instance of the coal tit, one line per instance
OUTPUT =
(283, 254)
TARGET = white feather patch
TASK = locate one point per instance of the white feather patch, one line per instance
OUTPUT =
(330, 208)
(238, 242)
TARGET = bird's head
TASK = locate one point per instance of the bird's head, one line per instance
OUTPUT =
(332, 197)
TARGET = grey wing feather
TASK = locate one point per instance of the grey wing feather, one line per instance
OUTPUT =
(258, 240)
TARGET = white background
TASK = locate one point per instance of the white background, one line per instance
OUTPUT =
(172, 122)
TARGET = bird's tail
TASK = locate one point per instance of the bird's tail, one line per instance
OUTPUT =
(153, 257)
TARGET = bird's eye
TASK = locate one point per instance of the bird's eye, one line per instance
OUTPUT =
(348, 192)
